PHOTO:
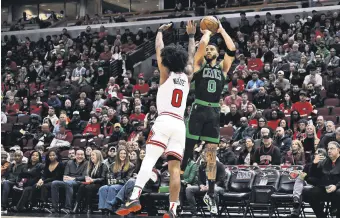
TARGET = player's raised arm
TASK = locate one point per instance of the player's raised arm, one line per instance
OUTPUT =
(230, 52)
(159, 46)
(200, 53)
(191, 31)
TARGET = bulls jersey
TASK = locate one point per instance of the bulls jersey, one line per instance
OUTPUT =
(172, 94)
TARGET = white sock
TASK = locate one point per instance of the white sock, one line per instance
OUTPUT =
(173, 207)
(136, 193)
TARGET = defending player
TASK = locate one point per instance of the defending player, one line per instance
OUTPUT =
(204, 119)
(168, 132)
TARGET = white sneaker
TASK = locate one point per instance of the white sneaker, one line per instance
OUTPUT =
(210, 202)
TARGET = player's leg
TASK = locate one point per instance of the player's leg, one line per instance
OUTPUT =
(155, 146)
(211, 135)
(174, 153)
(194, 127)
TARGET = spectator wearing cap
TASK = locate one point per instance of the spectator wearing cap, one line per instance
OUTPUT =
(225, 152)
(137, 132)
(268, 153)
(93, 127)
(332, 60)
(76, 125)
(141, 86)
(78, 72)
(10, 178)
(233, 98)
(322, 50)
(111, 85)
(255, 83)
(54, 101)
(281, 82)
(304, 107)
(63, 138)
(254, 63)
(117, 134)
(328, 185)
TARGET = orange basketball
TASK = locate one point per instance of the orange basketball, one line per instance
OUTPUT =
(209, 23)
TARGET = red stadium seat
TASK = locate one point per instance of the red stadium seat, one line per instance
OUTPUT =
(332, 102)
(12, 119)
(98, 141)
(336, 111)
(330, 118)
(29, 145)
(64, 155)
(79, 143)
(6, 127)
(227, 131)
(323, 111)
(24, 119)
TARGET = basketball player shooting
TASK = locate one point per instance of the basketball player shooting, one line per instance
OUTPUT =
(168, 132)
(204, 118)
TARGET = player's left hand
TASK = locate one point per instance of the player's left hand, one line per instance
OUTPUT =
(191, 27)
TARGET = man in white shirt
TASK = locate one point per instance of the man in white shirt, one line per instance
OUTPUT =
(99, 102)
(314, 78)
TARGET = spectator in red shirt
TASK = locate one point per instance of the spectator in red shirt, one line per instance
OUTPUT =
(93, 127)
(235, 82)
(106, 55)
(12, 108)
(141, 86)
(254, 64)
(129, 46)
(304, 107)
(138, 115)
(233, 98)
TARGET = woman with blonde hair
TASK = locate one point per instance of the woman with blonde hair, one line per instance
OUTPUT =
(295, 156)
(119, 173)
(96, 172)
(310, 143)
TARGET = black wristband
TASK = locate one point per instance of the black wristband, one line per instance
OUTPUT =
(191, 36)
(159, 30)
(230, 53)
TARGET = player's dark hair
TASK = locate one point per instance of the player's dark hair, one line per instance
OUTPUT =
(215, 45)
(174, 57)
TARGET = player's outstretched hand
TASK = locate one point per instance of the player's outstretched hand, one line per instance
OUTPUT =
(191, 27)
(165, 26)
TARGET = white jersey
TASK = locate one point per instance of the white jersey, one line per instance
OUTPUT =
(172, 95)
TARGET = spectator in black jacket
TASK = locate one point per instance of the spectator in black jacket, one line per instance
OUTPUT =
(202, 187)
(282, 141)
(31, 174)
(328, 187)
(233, 117)
(330, 137)
(53, 170)
(11, 178)
(262, 99)
(75, 172)
(76, 125)
(244, 131)
(96, 173)
(225, 153)
(268, 153)
(117, 133)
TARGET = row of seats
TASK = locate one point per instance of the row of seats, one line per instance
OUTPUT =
(249, 189)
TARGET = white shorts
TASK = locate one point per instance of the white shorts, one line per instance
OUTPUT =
(168, 133)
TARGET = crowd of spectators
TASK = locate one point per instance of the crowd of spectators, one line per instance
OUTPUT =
(281, 78)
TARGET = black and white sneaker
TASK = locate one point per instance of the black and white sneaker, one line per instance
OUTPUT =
(211, 204)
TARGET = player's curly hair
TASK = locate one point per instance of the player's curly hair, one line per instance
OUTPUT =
(174, 57)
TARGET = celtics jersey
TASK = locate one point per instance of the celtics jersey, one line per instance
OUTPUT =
(209, 83)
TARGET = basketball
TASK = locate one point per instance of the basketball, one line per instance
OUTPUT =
(209, 23)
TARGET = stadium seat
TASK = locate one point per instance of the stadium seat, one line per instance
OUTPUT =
(79, 143)
(12, 119)
(27, 154)
(336, 111)
(97, 141)
(332, 102)
(331, 118)
(28, 144)
(6, 127)
(323, 111)
(64, 155)
(240, 187)
(24, 119)
(284, 195)
(227, 131)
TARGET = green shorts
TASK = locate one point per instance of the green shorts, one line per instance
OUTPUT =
(204, 122)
